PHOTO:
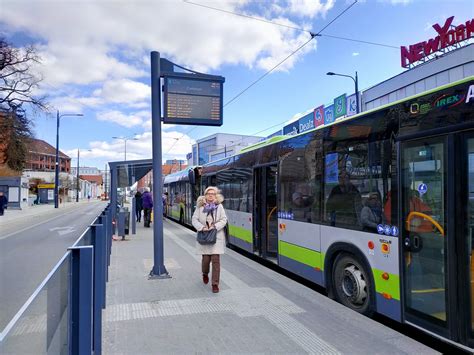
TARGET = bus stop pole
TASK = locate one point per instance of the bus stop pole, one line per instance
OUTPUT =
(159, 270)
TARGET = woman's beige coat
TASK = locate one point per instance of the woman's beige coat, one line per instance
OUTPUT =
(220, 218)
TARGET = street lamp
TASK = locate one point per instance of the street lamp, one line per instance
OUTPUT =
(77, 175)
(125, 139)
(356, 82)
(56, 172)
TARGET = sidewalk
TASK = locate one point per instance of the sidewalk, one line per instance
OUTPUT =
(256, 311)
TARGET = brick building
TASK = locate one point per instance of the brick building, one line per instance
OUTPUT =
(42, 157)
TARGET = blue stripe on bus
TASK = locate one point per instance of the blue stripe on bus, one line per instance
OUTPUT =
(301, 269)
(391, 308)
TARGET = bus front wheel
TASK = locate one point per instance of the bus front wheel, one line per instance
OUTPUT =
(352, 284)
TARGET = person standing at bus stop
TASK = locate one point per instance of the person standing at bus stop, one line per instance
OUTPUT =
(147, 202)
(210, 214)
(3, 203)
(138, 206)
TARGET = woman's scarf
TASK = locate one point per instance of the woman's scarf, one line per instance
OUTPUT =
(210, 207)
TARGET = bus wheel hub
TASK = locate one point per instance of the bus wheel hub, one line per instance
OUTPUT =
(354, 285)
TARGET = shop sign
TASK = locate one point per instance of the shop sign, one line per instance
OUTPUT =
(448, 35)
(329, 114)
(340, 108)
(351, 105)
(319, 116)
(291, 129)
(306, 123)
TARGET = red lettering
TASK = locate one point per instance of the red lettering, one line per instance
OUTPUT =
(451, 35)
(469, 28)
(460, 35)
(444, 29)
(431, 46)
(417, 51)
(405, 56)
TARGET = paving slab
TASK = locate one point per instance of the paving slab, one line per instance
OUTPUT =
(257, 311)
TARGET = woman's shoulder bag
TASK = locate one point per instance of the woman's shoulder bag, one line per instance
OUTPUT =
(207, 237)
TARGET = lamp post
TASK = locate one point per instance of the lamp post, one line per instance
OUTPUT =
(125, 139)
(56, 172)
(356, 82)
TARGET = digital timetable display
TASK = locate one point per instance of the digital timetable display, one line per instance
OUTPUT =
(193, 101)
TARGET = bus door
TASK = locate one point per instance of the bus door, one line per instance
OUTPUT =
(265, 222)
(437, 230)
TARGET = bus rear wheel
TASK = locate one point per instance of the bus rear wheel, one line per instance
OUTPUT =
(352, 284)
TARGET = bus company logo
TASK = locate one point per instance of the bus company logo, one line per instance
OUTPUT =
(449, 101)
(419, 108)
(448, 35)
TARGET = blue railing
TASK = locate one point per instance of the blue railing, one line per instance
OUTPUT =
(64, 314)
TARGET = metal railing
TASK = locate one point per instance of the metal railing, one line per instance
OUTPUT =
(64, 314)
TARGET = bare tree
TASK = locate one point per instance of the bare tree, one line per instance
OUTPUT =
(18, 82)
(17, 77)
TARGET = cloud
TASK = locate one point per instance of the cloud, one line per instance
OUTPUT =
(80, 43)
(123, 119)
(310, 8)
(175, 145)
(355, 54)
(124, 91)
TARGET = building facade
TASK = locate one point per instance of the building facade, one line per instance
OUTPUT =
(220, 145)
(42, 157)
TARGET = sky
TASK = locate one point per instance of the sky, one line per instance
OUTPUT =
(95, 61)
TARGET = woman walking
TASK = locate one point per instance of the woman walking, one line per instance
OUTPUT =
(210, 214)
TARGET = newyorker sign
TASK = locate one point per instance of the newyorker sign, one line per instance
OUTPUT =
(448, 35)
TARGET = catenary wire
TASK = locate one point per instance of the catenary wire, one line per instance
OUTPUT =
(313, 35)
(247, 16)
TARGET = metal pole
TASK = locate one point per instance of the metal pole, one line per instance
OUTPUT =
(56, 172)
(357, 93)
(159, 270)
(77, 177)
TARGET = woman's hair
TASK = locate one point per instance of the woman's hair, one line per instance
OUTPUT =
(216, 190)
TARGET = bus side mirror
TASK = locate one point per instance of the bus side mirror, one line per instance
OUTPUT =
(192, 177)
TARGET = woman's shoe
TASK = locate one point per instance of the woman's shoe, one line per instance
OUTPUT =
(205, 279)
(215, 289)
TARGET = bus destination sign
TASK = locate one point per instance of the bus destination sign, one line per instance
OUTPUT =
(193, 101)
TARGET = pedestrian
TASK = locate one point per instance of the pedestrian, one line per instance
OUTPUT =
(138, 206)
(3, 203)
(88, 198)
(210, 214)
(147, 203)
(165, 202)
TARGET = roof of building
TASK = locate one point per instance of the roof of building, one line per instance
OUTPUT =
(39, 146)
(92, 178)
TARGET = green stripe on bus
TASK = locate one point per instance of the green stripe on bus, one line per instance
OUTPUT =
(241, 233)
(303, 255)
(390, 287)
(175, 213)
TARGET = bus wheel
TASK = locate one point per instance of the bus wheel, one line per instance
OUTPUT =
(352, 284)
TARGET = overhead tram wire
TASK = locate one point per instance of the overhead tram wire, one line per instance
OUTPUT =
(247, 16)
(313, 35)
(291, 27)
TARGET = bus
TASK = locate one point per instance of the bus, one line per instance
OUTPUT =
(181, 191)
(378, 208)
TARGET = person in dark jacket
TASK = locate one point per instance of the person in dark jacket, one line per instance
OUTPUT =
(3, 203)
(147, 202)
(138, 206)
